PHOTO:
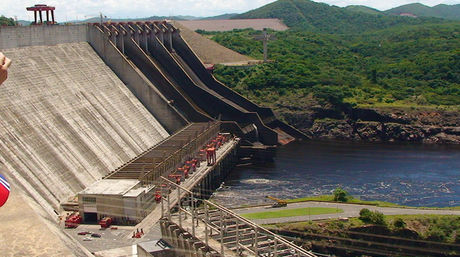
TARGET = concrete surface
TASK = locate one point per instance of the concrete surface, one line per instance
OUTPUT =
(11, 37)
(25, 232)
(349, 210)
(66, 120)
(158, 104)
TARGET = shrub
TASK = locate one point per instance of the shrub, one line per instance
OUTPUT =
(378, 218)
(373, 217)
(341, 195)
(399, 223)
(435, 234)
(365, 215)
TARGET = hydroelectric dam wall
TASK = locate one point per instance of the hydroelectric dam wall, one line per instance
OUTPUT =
(82, 100)
(66, 118)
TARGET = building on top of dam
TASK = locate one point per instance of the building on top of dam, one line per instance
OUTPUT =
(123, 199)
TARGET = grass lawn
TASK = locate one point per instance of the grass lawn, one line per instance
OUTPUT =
(330, 198)
(291, 213)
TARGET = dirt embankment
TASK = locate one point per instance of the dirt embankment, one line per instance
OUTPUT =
(209, 51)
(377, 125)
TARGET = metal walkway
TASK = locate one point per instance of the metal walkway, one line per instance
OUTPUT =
(223, 232)
(178, 146)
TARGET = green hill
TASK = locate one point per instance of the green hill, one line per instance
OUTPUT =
(319, 17)
(363, 9)
(417, 65)
(451, 12)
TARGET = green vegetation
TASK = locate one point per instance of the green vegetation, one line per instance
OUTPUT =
(364, 9)
(416, 66)
(319, 17)
(373, 217)
(340, 195)
(399, 223)
(441, 228)
(440, 11)
(6, 21)
(352, 200)
(291, 213)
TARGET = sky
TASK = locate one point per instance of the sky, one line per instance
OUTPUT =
(67, 10)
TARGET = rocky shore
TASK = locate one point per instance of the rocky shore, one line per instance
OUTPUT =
(377, 125)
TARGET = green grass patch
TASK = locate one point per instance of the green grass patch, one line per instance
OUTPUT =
(291, 213)
(330, 198)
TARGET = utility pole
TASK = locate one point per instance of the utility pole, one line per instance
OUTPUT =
(265, 37)
(265, 40)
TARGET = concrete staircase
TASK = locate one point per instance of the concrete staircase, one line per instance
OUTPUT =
(66, 120)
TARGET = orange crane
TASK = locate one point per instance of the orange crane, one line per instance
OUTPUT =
(278, 202)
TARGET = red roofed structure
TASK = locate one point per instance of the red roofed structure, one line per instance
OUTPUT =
(40, 8)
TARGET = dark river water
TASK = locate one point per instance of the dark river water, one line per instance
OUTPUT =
(414, 175)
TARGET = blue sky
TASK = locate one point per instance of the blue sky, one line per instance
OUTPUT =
(81, 9)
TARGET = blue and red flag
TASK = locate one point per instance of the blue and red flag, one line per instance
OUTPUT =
(4, 190)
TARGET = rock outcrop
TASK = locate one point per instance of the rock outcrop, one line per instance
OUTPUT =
(378, 125)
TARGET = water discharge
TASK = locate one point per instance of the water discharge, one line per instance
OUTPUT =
(414, 175)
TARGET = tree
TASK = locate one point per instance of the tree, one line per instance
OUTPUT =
(378, 218)
(399, 223)
(7, 21)
(331, 94)
(341, 195)
(365, 215)
(373, 217)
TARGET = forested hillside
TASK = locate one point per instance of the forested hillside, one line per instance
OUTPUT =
(319, 17)
(396, 84)
(440, 11)
(412, 66)
(364, 9)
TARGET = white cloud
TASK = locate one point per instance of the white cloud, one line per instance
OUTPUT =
(81, 9)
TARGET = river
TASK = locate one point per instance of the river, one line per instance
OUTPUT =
(407, 174)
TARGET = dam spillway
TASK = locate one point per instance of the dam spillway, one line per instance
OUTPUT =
(66, 120)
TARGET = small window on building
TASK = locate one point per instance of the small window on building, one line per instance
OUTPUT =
(89, 200)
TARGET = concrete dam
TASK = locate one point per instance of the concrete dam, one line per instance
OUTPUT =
(84, 102)
(67, 119)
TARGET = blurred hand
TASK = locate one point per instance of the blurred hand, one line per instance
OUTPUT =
(4, 64)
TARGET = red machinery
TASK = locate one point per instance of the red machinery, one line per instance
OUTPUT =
(39, 8)
(105, 222)
(176, 177)
(211, 156)
(158, 196)
(196, 162)
(73, 220)
(202, 155)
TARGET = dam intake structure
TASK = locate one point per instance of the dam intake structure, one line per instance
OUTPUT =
(160, 52)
